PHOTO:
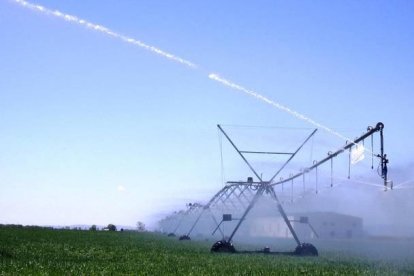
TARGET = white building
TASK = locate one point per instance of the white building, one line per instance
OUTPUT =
(323, 225)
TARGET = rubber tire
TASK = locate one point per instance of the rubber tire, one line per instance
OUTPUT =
(184, 238)
(223, 247)
(306, 249)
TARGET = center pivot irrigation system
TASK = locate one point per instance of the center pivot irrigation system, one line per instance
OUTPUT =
(247, 193)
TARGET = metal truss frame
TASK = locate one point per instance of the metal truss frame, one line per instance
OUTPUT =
(257, 189)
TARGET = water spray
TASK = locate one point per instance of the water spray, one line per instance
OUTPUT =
(169, 56)
(279, 106)
(266, 187)
(104, 30)
(259, 188)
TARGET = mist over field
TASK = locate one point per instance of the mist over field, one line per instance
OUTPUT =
(128, 125)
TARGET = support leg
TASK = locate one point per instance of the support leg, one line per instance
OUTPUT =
(252, 203)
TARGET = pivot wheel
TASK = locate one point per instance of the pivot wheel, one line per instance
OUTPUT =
(184, 238)
(223, 247)
(171, 235)
(306, 249)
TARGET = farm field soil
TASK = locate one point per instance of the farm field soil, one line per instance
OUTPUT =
(55, 252)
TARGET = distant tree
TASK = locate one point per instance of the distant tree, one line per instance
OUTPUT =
(93, 228)
(111, 227)
(140, 226)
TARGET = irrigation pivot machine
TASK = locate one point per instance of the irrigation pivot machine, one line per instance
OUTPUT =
(244, 195)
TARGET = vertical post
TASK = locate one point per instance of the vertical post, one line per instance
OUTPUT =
(372, 152)
(316, 176)
(331, 172)
(349, 163)
(316, 172)
(384, 160)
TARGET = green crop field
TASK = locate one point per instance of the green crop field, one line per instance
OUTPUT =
(44, 251)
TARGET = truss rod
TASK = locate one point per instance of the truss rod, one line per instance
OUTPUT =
(207, 206)
(283, 213)
(259, 192)
(379, 127)
(241, 154)
(293, 155)
(267, 152)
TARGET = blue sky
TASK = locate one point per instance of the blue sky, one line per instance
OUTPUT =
(96, 130)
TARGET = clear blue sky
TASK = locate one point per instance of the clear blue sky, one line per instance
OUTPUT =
(96, 130)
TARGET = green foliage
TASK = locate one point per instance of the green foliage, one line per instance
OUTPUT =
(66, 252)
(140, 226)
(93, 228)
(111, 227)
